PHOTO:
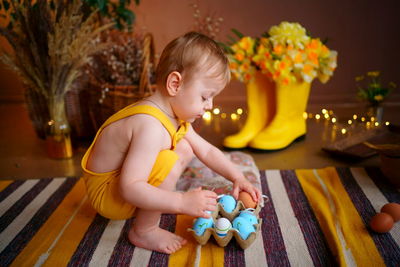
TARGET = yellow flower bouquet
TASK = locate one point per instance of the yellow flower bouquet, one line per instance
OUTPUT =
(371, 89)
(286, 54)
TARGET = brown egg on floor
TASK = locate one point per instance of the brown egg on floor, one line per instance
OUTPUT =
(381, 223)
(393, 209)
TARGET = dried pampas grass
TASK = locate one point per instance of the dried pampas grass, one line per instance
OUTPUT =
(50, 47)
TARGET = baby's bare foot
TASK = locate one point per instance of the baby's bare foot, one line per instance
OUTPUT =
(156, 239)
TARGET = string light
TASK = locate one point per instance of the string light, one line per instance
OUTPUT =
(344, 128)
(207, 116)
(329, 115)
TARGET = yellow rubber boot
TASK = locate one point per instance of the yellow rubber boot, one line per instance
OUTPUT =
(288, 123)
(261, 109)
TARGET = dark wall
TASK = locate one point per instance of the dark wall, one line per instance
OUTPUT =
(364, 32)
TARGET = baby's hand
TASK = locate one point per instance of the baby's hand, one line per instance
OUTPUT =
(242, 184)
(197, 202)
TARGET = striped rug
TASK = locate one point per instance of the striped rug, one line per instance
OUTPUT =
(314, 217)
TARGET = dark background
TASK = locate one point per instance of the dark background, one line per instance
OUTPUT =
(365, 33)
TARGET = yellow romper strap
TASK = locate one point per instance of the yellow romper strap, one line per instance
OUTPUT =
(176, 135)
(141, 109)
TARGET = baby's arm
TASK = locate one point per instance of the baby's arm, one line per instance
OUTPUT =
(218, 162)
(147, 142)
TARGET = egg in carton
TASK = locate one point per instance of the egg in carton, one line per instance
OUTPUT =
(228, 221)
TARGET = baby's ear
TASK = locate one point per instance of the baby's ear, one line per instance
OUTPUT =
(174, 81)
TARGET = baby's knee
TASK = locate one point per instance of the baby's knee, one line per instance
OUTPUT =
(185, 151)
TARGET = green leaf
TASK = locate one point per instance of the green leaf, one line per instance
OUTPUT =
(125, 14)
(238, 34)
(118, 23)
(129, 16)
(231, 39)
(102, 5)
(265, 35)
(226, 47)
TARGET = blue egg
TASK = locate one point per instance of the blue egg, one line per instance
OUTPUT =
(201, 224)
(248, 215)
(228, 203)
(244, 227)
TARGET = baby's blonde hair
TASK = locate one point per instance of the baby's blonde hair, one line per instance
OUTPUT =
(189, 54)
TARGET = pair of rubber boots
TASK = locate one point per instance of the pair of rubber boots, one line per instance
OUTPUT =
(275, 115)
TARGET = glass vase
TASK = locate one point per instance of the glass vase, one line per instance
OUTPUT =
(58, 131)
(375, 111)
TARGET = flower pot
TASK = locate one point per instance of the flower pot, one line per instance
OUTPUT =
(375, 111)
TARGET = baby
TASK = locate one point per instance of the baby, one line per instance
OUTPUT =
(139, 153)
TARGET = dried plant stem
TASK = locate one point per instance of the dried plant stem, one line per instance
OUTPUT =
(50, 48)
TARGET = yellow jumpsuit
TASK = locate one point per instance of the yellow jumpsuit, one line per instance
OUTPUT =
(102, 188)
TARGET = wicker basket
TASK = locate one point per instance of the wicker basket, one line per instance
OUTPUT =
(78, 111)
(106, 99)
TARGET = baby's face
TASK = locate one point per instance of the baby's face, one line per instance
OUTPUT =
(196, 96)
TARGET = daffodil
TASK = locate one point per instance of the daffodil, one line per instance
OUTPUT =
(378, 98)
(247, 44)
(373, 73)
(289, 34)
(359, 78)
(372, 89)
(287, 55)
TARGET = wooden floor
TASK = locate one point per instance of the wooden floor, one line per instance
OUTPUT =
(23, 155)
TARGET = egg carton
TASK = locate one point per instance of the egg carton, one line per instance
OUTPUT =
(224, 240)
